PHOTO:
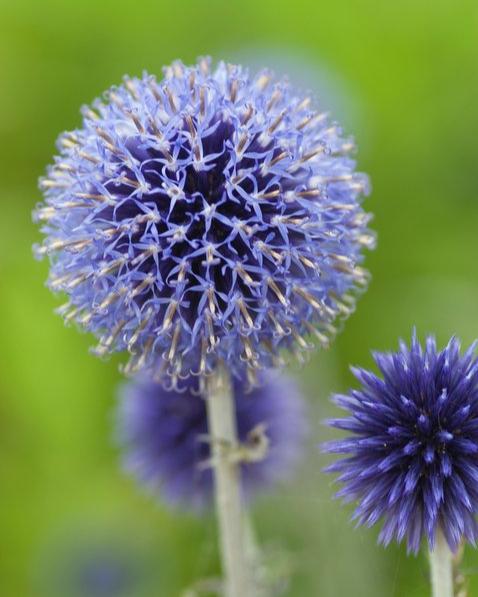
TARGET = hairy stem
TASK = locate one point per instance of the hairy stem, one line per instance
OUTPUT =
(222, 428)
(441, 567)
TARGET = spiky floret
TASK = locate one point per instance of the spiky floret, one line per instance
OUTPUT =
(205, 216)
(413, 455)
(166, 446)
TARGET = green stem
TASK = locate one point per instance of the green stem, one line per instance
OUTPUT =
(441, 567)
(223, 431)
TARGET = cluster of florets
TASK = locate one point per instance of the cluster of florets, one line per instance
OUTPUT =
(167, 447)
(210, 215)
(413, 456)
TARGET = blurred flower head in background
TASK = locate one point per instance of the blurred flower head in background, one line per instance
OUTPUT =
(163, 435)
(77, 565)
(205, 216)
(102, 574)
(413, 456)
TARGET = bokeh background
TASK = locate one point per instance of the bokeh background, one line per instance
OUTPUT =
(403, 77)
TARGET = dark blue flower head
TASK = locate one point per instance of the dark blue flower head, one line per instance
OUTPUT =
(165, 444)
(413, 456)
(205, 216)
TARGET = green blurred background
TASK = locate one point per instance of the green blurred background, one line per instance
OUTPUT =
(403, 77)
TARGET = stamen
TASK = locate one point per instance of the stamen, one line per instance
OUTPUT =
(301, 341)
(130, 86)
(305, 103)
(202, 101)
(68, 317)
(277, 122)
(153, 87)
(309, 193)
(148, 281)
(210, 332)
(269, 194)
(87, 156)
(56, 282)
(58, 245)
(86, 318)
(47, 183)
(307, 262)
(128, 181)
(242, 143)
(202, 361)
(212, 305)
(70, 141)
(138, 361)
(169, 316)
(148, 315)
(278, 158)
(77, 280)
(275, 97)
(149, 252)
(172, 100)
(94, 196)
(245, 275)
(263, 248)
(245, 313)
(64, 167)
(174, 343)
(311, 154)
(233, 90)
(313, 120)
(249, 355)
(277, 291)
(112, 266)
(204, 66)
(322, 338)
(263, 81)
(347, 147)
(280, 330)
(106, 342)
(115, 98)
(45, 213)
(307, 296)
(111, 298)
(191, 127)
(247, 114)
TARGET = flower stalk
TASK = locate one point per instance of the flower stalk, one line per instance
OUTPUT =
(222, 427)
(441, 567)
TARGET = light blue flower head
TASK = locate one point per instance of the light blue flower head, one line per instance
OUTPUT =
(211, 215)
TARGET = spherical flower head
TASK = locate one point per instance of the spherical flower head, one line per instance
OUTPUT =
(166, 446)
(207, 216)
(412, 458)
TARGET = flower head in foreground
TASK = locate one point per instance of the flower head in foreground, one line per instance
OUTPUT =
(413, 457)
(166, 447)
(202, 217)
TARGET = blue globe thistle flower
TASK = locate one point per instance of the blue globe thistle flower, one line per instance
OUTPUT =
(101, 574)
(165, 442)
(203, 217)
(413, 457)
(80, 566)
